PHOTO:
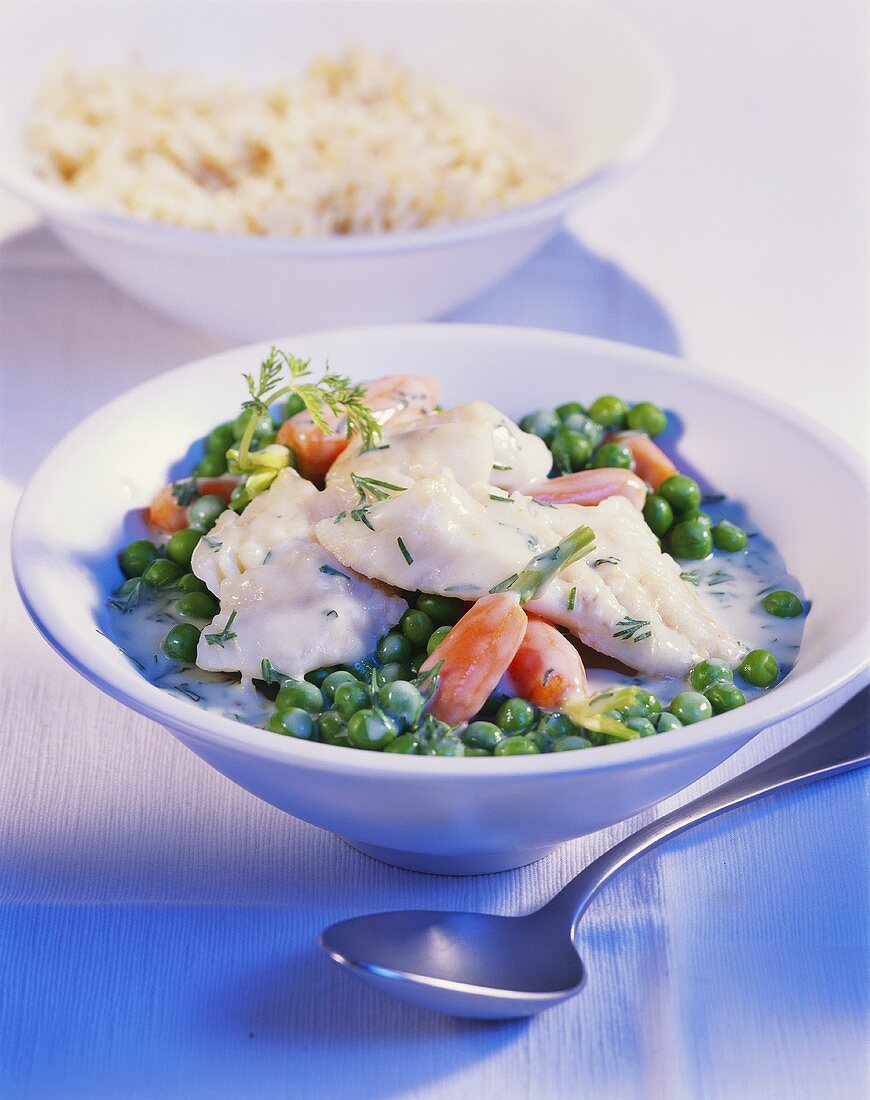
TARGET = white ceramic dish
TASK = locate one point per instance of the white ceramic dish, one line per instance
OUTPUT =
(431, 813)
(576, 71)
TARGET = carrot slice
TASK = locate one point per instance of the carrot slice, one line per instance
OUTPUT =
(547, 668)
(650, 461)
(591, 487)
(475, 655)
(168, 515)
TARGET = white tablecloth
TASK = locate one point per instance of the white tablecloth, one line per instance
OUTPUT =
(157, 924)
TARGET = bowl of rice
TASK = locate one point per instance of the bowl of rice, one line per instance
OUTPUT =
(249, 168)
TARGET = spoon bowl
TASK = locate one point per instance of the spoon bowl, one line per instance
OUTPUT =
(494, 967)
(466, 964)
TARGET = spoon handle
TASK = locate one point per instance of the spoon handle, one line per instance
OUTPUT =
(840, 743)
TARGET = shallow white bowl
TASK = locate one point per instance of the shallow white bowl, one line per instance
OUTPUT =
(577, 72)
(801, 486)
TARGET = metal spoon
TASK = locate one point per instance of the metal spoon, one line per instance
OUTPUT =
(492, 967)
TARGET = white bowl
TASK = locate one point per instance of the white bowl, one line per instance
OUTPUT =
(800, 483)
(578, 72)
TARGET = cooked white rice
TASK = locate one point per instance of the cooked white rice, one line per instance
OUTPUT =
(356, 144)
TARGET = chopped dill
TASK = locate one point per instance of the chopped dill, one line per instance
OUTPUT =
(224, 635)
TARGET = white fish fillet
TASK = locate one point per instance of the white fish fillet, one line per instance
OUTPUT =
(628, 598)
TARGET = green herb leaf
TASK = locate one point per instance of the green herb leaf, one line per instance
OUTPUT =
(405, 552)
(224, 635)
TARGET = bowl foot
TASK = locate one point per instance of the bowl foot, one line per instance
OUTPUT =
(433, 863)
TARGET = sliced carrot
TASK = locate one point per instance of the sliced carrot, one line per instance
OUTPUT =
(167, 514)
(392, 396)
(650, 461)
(591, 487)
(547, 668)
(475, 655)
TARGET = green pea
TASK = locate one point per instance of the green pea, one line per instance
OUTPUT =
(759, 668)
(333, 681)
(198, 605)
(417, 627)
(367, 729)
(643, 726)
(729, 537)
(516, 746)
(394, 647)
(181, 642)
(698, 516)
(239, 499)
(646, 417)
(570, 408)
(482, 735)
(724, 697)
(584, 425)
(783, 604)
(163, 573)
(203, 513)
(667, 722)
(351, 697)
(516, 716)
(402, 701)
(211, 464)
(690, 540)
(293, 722)
(571, 743)
(543, 424)
(263, 439)
(658, 514)
(643, 705)
(132, 584)
(709, 672)
(405, 744)
(609, 411)
(393, 671)
(191, 583)
(182, 544)
(691, 707)
(556, 725)
(612, 456)
(332, 729)
(476, 752)
(436, 638)
(294, 405)
(417, 662)
(137, 556)
(220, 439)
(681, 492)
(442, 610)
(299, 694)
(490, 707)
(571, 451)
(446, 745)
(317, 675)
(265, 425)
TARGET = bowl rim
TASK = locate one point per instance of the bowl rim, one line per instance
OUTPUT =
(68, 208)
(845, 664)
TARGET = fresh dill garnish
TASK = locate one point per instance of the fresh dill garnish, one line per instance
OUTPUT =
(269, 674)
(633, 629)
(406, 554)
(719, 577)
(267, 557)
(693, 576)
(764, 591)
(185, 491)
(212, 544)
(572, 596)
(331, 614)
(372, 487)
(332, 392)
(126, 601)
(332, 572)
(187, 691)
(545, 679)
(361, 515)
(604, 561)
(499, 466)
(501, 500)
(224, 635)
(712, 498)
